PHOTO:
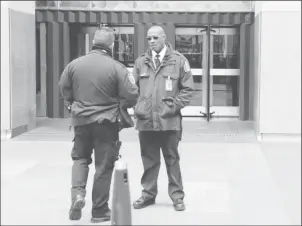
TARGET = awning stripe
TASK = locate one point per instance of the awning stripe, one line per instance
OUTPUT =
(96, 17)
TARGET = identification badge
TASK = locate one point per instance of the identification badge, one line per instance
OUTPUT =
(131, 78)
(169, 84)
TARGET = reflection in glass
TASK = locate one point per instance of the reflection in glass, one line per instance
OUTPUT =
(226, 51)
(225, 62)
(48, 4)
(75, 4)
(144, 5)
(191, 47)
(225, 91)
(225, 6)
(123, 49)
(98, 4)
(196, 99)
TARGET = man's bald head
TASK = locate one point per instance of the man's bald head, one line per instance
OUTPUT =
(104, 36)
(157, 29)
(156, 38)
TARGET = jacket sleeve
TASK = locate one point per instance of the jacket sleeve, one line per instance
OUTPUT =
(136, 72)
(65, 85)
(186, 85)
(127, 89)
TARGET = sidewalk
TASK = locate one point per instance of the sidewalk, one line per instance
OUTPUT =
(225, 183)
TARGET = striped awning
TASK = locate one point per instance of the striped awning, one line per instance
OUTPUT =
(119, 17)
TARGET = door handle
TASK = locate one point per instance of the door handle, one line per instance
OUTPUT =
(211, 30)
(202, 30)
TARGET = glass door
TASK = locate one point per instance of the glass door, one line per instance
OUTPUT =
(224, 72)
(191, 42)
(213, 54)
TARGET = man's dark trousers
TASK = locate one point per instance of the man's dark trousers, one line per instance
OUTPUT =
(102, 138)
(151, 142)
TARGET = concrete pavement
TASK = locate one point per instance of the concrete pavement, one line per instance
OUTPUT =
(225, 183)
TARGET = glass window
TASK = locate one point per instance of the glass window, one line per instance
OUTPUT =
(226, 51)
(123, 49)
(75, 4)
(123, 45)
(225, 91)
(46, 4)
(98, 4)
(191, 47)
(196, 99)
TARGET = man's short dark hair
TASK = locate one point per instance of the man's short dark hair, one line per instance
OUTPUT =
(104, 36)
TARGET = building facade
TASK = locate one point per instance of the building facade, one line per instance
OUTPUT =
(235, 48)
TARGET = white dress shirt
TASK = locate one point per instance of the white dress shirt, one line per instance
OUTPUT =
(161, 55)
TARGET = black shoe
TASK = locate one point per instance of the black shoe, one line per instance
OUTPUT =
(143, 202)
(75, 212)
(179, 205)
(105, 217)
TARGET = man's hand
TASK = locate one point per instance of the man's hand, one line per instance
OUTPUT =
(169, 101)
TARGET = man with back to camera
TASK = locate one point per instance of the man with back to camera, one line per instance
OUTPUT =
(165, 86)
(97, 87)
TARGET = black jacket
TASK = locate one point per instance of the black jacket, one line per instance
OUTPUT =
(97, 86)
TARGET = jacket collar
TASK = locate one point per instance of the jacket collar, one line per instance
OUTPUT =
(168, 54)
(102, 49)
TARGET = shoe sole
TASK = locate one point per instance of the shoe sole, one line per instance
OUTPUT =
(76, 211)
(179, 208)
(99, 220)
(143, 206)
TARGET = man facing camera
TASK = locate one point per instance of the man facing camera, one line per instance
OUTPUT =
(165, 84)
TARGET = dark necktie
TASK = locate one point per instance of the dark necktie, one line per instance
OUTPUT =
(157, 61)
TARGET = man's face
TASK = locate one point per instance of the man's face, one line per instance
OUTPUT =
(156, 39)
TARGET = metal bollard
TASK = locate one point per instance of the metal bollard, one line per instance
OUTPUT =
(121, 206)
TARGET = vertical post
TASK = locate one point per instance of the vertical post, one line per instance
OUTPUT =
(170, 32)
(73, 41)
(53, 70)
(208, 72)
(139, 40)
(252, 84)
(244, 71)
(66, 58)
(87, 43)
(121, 206)
(43, 69)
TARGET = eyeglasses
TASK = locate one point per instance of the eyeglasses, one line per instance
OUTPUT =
(149, 38)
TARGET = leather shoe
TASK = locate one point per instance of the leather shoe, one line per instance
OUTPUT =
(179, 205)
(143, 202)
(75, 212)
(105, 217)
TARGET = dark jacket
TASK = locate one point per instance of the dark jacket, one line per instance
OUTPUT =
(98, 87)
(153, 111)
